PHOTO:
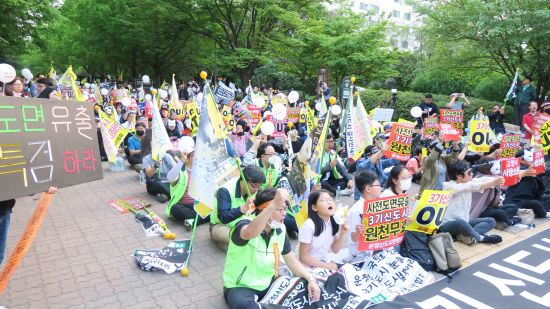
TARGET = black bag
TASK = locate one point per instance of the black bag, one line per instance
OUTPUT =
(415, 247)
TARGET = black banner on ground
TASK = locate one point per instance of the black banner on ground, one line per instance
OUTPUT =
(516, 277)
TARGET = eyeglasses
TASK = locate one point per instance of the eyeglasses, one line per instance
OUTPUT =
(17, 84)
(325, 201)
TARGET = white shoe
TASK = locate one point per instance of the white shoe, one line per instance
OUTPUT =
(346, 192)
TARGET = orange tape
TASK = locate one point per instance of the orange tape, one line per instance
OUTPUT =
(276, 252)
(26, 239)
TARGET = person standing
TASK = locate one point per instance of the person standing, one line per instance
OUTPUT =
(428, 107)
(525, 95)
(528, 121)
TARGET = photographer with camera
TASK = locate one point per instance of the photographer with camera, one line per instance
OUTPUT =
(456, 104)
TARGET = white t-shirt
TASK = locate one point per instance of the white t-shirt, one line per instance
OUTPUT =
(319, 245)
(387, 193)
(355, 214)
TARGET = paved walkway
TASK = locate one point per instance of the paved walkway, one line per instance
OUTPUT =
(82, 256)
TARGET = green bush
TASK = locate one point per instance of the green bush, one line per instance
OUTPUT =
(407, 99)
(437, 81)
(492, 87)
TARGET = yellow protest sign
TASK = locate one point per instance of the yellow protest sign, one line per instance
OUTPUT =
(479, 136)
(310, 120)
(303, 115)
(227, 117)
(428, 214)
(545, 136)
(178, 108)
(193, 116)
(401, 120)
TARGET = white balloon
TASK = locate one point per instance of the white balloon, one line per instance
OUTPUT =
(87, 85)
(104, 91)
(293, 96)
(145, 79)
(125, 101)
(267, 128)
(318, 106)
(163, 94)
(416, 112)
(25, 72)
(258, 100)
(336, 110)
(92, 86)
(148, 98)
(7, 73)
(279, 111)
(186, 144)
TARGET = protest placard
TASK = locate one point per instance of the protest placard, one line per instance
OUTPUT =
(384, 220)
(448, 132)
(454, 117)
(178, 107)
(227, 117)
(509, 145)
(193, 116)
(400, 142)
(479, 136)
(45, 143)
(510, 170)
(255, 115)
(429, 212)
(293, 114)
(540, 120)
(382, 114)
(223, 93)
(538, 162)
(545, 136)
(122, 205)
(303, 115)
(431, 125)
(279, 128)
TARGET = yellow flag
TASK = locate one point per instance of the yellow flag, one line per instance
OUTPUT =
(116, 132)
(67, 85)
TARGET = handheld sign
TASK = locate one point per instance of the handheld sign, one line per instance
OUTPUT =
(428, 214)
(383, 114)
(479, 136)
(509, 145)
(538, 162)
(448, 132)
(454, 117)
(510, 171)
(431, 125)
(545, 136)
(384, 221)
(400, 142)
(45, 143)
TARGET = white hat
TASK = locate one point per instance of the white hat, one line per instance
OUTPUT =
(171, 123)
(186, 144)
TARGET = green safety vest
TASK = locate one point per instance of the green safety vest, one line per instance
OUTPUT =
(177, 191)
(327, 159)
(271, 176)
(235, 202)
(252, 265)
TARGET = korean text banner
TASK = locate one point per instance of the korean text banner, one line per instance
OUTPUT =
(384, 221)
(431, 125)
(429, 212)
(479, 136)
(400, 142)
(454, 117)
(46, 143)
(510, 144)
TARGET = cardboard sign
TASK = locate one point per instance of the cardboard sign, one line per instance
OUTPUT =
(431, 125)
(293, 114)
(384, 221)
(428, 214)
(509, 145)
(178, 107)
(454, 117)
(510, 170)
(545, 136)
(279, 128)
(479, 136)
(540, 120)
(303, 115)
(122, 205)
(382, 114)
(46, 143)
(193, 116)
(538, 162)
(448, 132)
(400, 142)
(228, 117)
(255, 115)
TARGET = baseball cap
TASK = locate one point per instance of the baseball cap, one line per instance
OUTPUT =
(429, 96)
(171, 123)
(186, 144)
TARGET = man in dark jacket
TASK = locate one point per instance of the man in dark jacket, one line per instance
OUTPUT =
(525, 95)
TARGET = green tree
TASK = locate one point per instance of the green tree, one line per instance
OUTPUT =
(510, 33)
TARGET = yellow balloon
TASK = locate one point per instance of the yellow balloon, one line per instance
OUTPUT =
(356, 93)
(154, 92)
(185, 272)
(204, 75)
(307, 103)
(290, 124)
(353, 79)
(332, 100)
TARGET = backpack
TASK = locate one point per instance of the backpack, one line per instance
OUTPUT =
(415, 247)
(444, 253)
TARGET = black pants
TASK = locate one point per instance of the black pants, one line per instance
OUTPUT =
(519, 111)
(535, 205)
(134, 159)
(182, 212)
(291, 226)
(243, 298)
(502, 214)
(331, 184)
(416, 177)
(155, 187)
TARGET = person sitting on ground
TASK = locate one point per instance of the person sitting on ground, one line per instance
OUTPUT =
(528, 193)
(270, 164)
(134, 146)
(414, 165)
(172, 130)
(181, 205)
(488, 202)
(46, 89)
(373, 161)
(320, 234)
(255, 245)
(240, 138)
(399, 181)
(368, 184)
(233, 200)
(456, 220)
(156, 171)
(333, 172)
(435, 165)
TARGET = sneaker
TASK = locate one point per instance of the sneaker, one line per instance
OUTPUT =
(548, 214)
(491, 239)
(161, 198)
(501, 226)
(346, 192)
(467, 240)
(188, 224)
(516, 220)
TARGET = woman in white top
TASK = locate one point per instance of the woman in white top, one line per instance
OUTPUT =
(320, 233)
(399, 181)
